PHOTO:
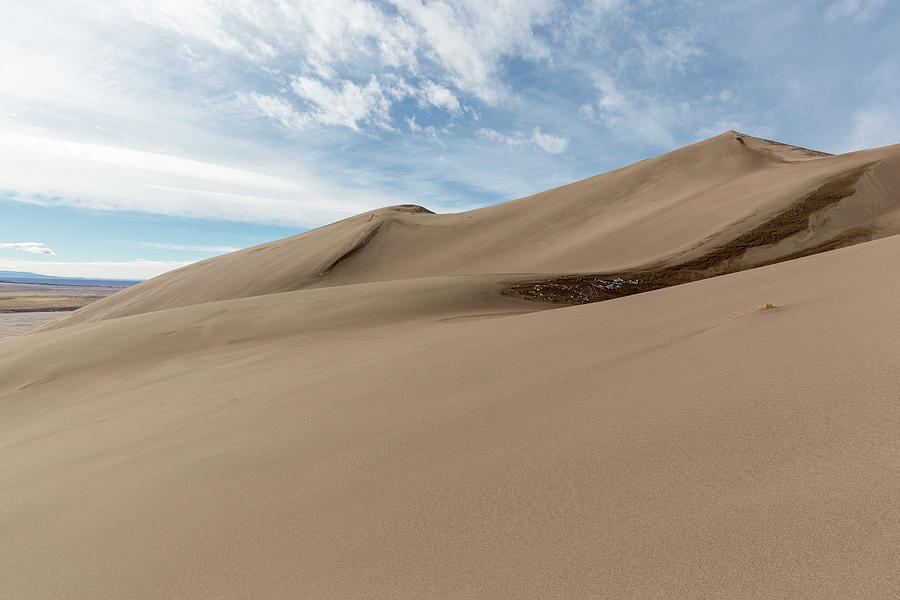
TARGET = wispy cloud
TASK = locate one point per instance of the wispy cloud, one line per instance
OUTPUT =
(439, 96)
(633, 115)
(873, 127)
(346, 103)
(858, 10)
(553, 144)
(30, 247)
(190, 248)
(277, 109)
(134, 269)
(548, 143)
(103, 177)
(468, 40)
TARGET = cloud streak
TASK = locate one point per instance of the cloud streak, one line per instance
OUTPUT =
(548, 143)
(30, 247)
(190, 248)
(133, 269)
(102, 177)
(858, 10)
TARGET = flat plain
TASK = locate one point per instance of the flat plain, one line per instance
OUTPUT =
(33, 297)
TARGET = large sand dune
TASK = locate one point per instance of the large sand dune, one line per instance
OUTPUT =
(667, 210)
(382, 408)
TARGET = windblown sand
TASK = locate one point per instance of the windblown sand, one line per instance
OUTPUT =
(375, 410)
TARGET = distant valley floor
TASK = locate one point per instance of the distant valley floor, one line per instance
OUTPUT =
(15, 324)
(40, 297)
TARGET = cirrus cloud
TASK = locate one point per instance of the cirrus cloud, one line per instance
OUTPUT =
(30, 247)
(553, 144)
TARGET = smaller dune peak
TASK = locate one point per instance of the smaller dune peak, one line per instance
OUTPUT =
(409, 208)
(772, 149)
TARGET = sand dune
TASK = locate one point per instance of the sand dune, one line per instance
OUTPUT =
(380, 408)
(664, 210)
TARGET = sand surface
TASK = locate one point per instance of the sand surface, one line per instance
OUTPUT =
(394, 427)
(16, 324)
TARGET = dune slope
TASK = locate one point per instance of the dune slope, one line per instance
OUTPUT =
(679, 443)
(759, 200)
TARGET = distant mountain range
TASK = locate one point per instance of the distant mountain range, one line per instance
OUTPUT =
(27, 275)
(37, 278)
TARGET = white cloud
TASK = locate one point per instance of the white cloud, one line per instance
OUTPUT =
(546, 142)
(127, 158)
(549, 143)
(430, 131)
(673, 51)
(469, 38)
(31, 247)
(466, 39)
(464, 42)
(190, 248)
(277, 109)
(874, 127)
(859, 10)
(133, 269)
(635, 115)
(341, 33)
(199, 20)
(494, 135)
(601, 6)
(348, 105)
(439, 96)
(52, 171)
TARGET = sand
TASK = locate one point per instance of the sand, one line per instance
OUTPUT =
(404, 425)
(20, 323)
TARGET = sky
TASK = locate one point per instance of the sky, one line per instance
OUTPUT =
(138, 136)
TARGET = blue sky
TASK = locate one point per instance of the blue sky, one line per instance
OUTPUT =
(141, 135)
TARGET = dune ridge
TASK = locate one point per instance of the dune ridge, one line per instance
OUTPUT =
(679, 205)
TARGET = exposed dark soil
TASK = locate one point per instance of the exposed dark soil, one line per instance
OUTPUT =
(36, 310)
(725, 258)
(412, 208)
(805, 151)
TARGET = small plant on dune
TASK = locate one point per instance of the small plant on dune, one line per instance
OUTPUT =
(766, 306)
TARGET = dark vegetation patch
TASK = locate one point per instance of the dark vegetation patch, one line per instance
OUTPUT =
(42, 309)
(412, 208)
(595, 287)
(804, 151)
